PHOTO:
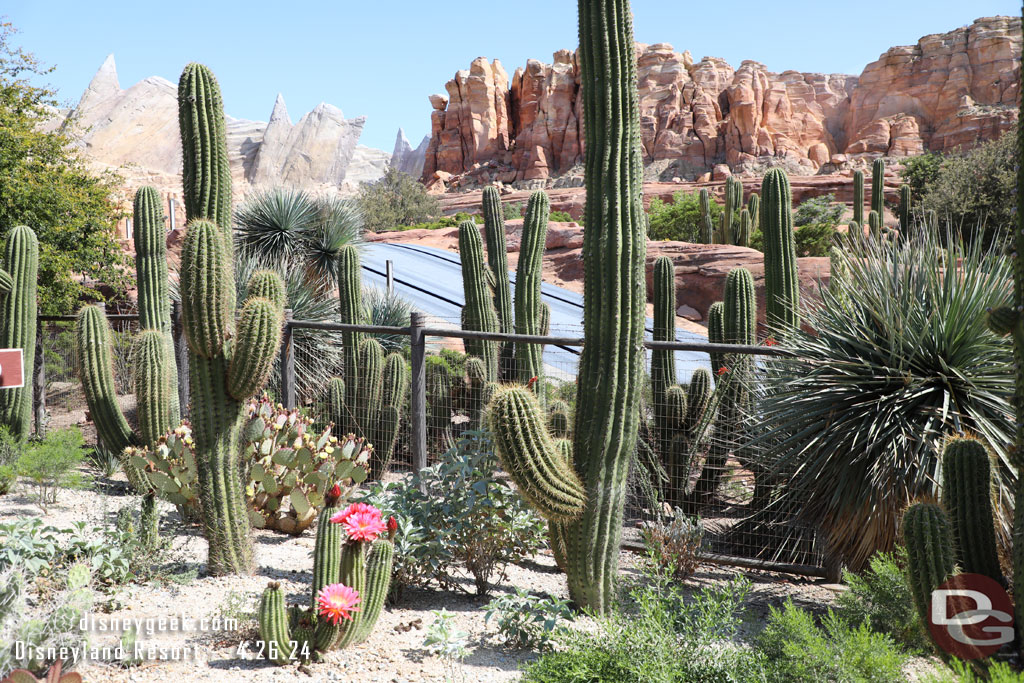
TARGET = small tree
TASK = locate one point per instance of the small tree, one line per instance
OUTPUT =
(680, 220)
(395, 200)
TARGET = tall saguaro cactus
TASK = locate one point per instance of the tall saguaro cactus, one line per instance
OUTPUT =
(587, 499)
(497, 260)
(530, 357)
(905, 209)
(782, 289)
(478, 314)
(878, 187)
(663, 366)
(858, 197)
(223, 375)
(350, 299)
(18, 273)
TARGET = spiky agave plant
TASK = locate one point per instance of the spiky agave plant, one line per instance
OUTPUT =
(899, 357)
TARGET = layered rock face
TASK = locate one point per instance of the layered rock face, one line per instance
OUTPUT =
(136, 131)
(950, 90)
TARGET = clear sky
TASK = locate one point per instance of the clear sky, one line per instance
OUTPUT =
(382, 58)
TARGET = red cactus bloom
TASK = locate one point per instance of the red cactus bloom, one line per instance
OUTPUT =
(337, 601)
(770, 341)
(364, 526)
(531, 382)
(333, 494)
(721, 371)
(392, 525)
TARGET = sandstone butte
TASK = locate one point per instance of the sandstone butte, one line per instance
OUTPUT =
(703, 120)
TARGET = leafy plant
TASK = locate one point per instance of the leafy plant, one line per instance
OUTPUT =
(444, 640)
(560, 217)
(51, 464)
(820, 209)
(388, 309)
(961, 672)
(29, 545)
(815, 239)
(394, 200)
(673, 543)
(799, 651)
(106, 462)
(679, 220)
(8, 478)
(881, 598)
(528, 621)
(899, 356)
(468, 521)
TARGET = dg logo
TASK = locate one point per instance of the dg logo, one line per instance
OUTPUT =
(971, 616)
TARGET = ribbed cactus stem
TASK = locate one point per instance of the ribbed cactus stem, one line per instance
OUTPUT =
(94, 345)
(728, 215)
(670, 429)
(151, 276)
(698, 397)
(874, 223)
(663, 364)
(528, 454)
(395, 384)
(379, 561)
(336, 404)
(782, 288)
(745, 230)
(558, 421)
(476, 381)
(754, 209)
(256, 344)
(368, 396)
(266, 284)
(18, 325)
(273, 623)
(878, 187)
(530, 357)
(478, 314)
(967, 495)
(858, 197)
(928, 536)
(497, 260)
(740, 308)
(716, 334)
(904, 209)
(152, 386)
(350, 297)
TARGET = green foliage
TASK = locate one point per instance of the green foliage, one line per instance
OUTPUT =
(820, 209)
(397, 199)
(561, 217)
(674, 543)
(447, 642)
(48, 187)
(799, 651)
(528, 621)
(679, 220)
(104, 461)
(8, 478)
(511, 211)
(52, 464)
(815, 239)
(457, 518)
(900, 356)
(880, 597)
(962, 672)
(921, 171)
(37, 548)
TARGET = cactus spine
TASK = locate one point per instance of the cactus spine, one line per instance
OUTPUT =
(926, 534)
(18, 324)
(967, 495)
(497, 260)
(878, 187)
(754, 209)
(530, 357)
(663, 365)
(858, 197)
(208, 315)
(716, 334)
(478, 313)
(707, 228)
(744, 232)
(874, 223)
(904, 209)
(350, 299)
(782, 289)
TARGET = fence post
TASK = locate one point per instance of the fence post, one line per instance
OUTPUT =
(39, 384)
(287, 363)
(180, 356)
(389, 275)
(418, 391)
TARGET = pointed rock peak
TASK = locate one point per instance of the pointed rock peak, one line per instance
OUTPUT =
(402, 145)
(324, 108)
(104, 83)
(280, 112)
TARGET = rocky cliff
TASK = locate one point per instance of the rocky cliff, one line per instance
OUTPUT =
(949, 90)
(136, 131)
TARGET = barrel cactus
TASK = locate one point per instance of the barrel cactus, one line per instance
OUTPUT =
(18, 283)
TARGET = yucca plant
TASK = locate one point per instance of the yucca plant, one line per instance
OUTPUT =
(899, 356)
(388, 309)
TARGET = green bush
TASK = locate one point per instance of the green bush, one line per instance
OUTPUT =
(560, 217)
(440, 223)
(528, 621)
(822, 209)
(8, 478)
(880, 597)
(458, 521)
(679, 220)
(511, 211)
(797, 650)
(920, 172)
(396, 199)
(813, 239)
(960, 672)
(52, 464)
(37, 548)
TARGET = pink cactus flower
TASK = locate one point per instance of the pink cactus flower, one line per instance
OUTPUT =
(365, 526)
(337, 601)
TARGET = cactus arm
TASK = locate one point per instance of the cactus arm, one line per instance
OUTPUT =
(528, 454)
(267, 284)
(478, 314)
(353, 574)
(782, 289)
(716, 333)
(152, 386)
(379, 561)
(928, 536)
(967, 495)
(6, 282)
(94, 347)
(206, 279)
(255, 347)
(350, 298)
(395, 383)
(497, 257)
(18, 324)
(878, 187)
(530, 357)
(663, 363)
(273, 624)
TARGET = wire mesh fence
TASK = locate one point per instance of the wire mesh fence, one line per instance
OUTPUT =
(690, 458)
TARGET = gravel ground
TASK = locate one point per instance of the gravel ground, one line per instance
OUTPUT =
(201, 650)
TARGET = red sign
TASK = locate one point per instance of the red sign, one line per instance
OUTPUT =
(971, 616)
(12, 369)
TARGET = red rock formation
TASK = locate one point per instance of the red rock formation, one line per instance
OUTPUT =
(949, 90)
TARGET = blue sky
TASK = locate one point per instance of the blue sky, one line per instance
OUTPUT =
(382, 58)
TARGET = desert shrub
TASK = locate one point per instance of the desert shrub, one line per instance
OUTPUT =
(880, 597)
(8, 478)
(658, 635)
(10, 449)
(797, 650)
(920, 172)
(512, 211)
(469, 523)
(961, 672)
(815, 239)
(560, 217)
(105, 462)
(396, 199)
(974, 191)
(52, 464)
(679, 220)
(448, 643)
(37, 548)
(899, 356)
(821, 209)
(528, 621)
(440, 223)
(673, 544)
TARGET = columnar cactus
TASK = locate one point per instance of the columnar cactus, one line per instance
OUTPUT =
(967, 495)
(904, 209)
(874, 223)
(754, 209)
(878, 187)
(592, 493)
(930, 559)
(530, 357)
(352, 562)
(745, 229)
(350, 299)
(439, 381)
(730, 216)
(478, 314)
(782, 288)
(479, 388)
(18, 274)
(707, 228)
(497, 260)
(858, 197)
(223, 375)
(716, 334)
(663, 363)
